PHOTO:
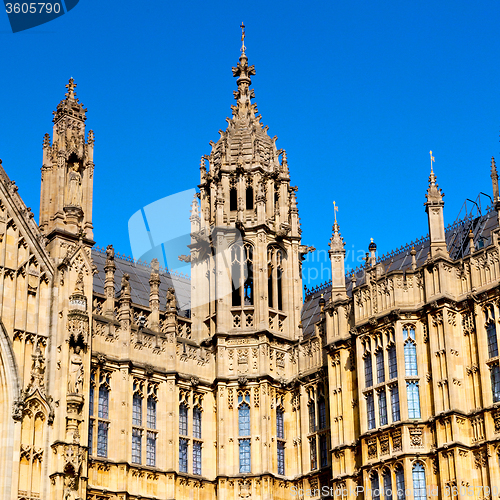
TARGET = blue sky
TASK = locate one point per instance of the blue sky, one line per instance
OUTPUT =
(357, 93)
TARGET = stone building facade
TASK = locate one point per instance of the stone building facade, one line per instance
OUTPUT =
(383, 383)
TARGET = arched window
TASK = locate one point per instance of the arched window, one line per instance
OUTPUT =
(244, 431)
(393, 362)
(382, 407)
(280, 425)
(368, 370)
(370, 410)
(491, 331)
(322, 412)
(183, 419)
(395, 403)
(151, 417)
(312, 416)
(413, 396)
(242, 275)
(410, 349)
(419, 486)
(275, 257)
(495, 382)
(386, 477)
(103, 413)
(400, 482)
(137, 409)
(249, 198)
(196, 422)
(375, 486)
(233, 199)
(380, 366)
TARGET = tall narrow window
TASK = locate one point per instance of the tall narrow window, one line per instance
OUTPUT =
(368, 370)
(395, 403)
(91, 397)
(370, 410)
(245, 460)
(382, 407)
(102, 439)
(183, 420)
(248, 284)
(322, 412)
(183, 455)
(280, 427)
(103, 413)
(151, 416)
(137, 410)
(387, 484)
(233, 199)
(491, 331)
(244, 431)
(375, 485)
(393, 363)
(410, 359)
(279, 275)
(380, 366)
(312, 453)
(281, 457)
(249, 198)
(400, 482)
(91, 412)
(197, 457)
(419, 486)
(270, 285)
(91, 436)
(103, 408)
(495, 382)
(136, 446)
(196, 423)
(312, 416)
(323, 450)
(413, 399)
(151, 449)
(242, 275)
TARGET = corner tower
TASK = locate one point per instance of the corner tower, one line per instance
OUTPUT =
(67, 173)
(249, 210)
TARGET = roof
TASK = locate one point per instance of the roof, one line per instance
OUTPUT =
(140, 273)
(457, 241)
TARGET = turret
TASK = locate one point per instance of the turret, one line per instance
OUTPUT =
(494, 181)
(67, 173)
(337, 256)
(434, 208)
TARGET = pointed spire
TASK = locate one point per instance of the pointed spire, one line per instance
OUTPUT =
(494, 180)
(336, 242)
(70, 105)
(434, 208)
(243, 96)
(337, 254)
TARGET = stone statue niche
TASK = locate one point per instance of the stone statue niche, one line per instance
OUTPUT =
(74, 183)
(75, 369)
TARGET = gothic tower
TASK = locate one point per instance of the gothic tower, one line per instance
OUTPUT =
(247, 291)
(67, 173)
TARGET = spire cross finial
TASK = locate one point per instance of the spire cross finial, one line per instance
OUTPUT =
(243, 48)
(432, 159)
(71, 88)
(335, 210)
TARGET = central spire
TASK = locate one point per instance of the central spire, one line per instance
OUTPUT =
(244, 109)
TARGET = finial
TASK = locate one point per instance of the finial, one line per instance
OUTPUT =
(335, 210)
(71, 89)
(432, 161)
(493, 164)
(243, 48)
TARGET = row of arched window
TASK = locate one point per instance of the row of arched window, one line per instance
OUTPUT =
(383, 484)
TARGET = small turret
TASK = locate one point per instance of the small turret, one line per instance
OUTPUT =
(337, 255)
(434, 208)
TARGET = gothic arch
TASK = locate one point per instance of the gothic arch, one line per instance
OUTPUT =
(10, 390)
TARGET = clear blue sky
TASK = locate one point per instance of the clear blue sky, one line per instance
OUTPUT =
(357, 92)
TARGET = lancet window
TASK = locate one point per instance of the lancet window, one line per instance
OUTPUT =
(379, 357)
(244, 431)
(197, 443)
(144, 426)
(275, 258)
(387, 479)
(242, 275)
(400, 482)
(382, 407)
(375, 487)
(280, 434)
(419, 484)
(99, 427)
(491, 331)
(393, 362)
(317, 406)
